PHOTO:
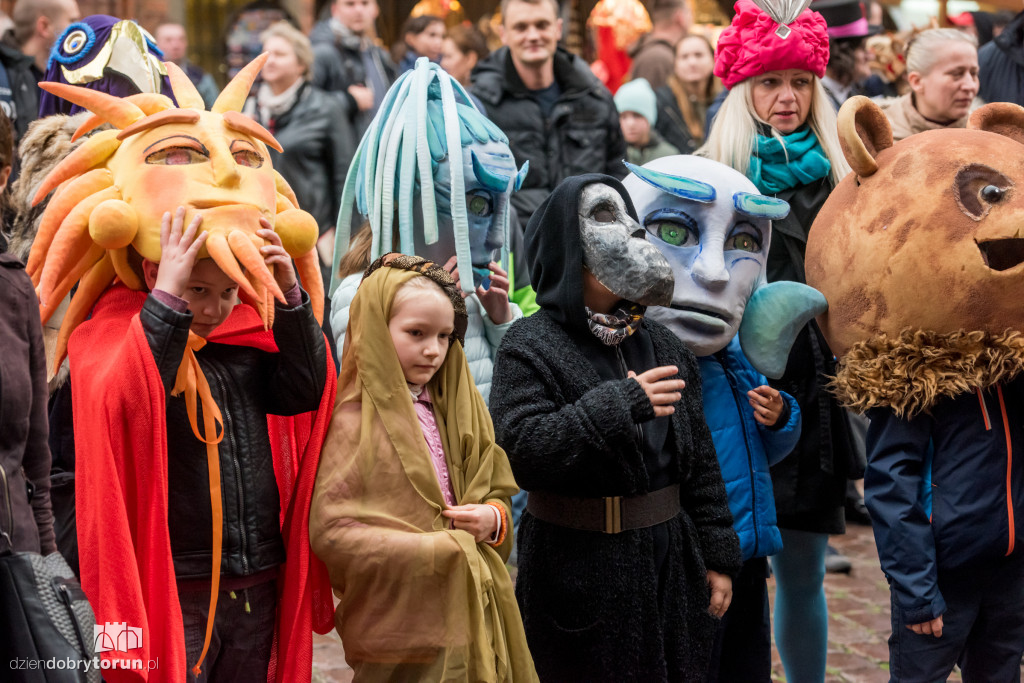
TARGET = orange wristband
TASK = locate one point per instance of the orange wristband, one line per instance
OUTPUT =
(504, 525)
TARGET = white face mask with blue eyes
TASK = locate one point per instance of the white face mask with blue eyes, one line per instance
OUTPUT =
(715, 233)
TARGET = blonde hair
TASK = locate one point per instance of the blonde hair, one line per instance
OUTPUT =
(926, 48)
(734, 132)
(412, 287)
(297, 39)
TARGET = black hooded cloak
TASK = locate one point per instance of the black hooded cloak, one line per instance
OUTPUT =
(606, 607)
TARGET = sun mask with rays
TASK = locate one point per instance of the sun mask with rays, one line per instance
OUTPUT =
(113, 190)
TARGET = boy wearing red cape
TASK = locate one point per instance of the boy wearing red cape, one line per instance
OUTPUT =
(198, 419)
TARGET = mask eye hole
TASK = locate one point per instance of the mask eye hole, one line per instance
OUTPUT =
(603, 214)
(992, 194)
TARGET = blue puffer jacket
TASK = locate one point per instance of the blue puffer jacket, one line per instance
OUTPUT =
(745, 448)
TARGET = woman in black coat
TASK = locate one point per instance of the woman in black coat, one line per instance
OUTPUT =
(310, 124)
(26, 517)
(578, 426)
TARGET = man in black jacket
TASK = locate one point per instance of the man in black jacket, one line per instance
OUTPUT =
(1001, 65)
(555, 112)
(347, 61)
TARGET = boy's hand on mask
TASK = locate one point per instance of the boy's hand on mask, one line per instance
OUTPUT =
(494, 299)
(478, 520)
(721, 593)
(661, 392)
(767, 404)
(275, 255)
(928, 628)
(178, 251)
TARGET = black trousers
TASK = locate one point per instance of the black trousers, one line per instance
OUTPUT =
(242, 640)
(982, 629)
(743, 644)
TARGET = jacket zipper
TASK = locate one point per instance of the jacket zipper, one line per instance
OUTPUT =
(1009, 468)
(625, 375)
(228, 432)
(746, 444)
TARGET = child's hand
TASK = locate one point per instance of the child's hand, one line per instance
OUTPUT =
(275, 255)
(931, 628)
(721, 593)
(178, 251)
(479, 520)
(494, 299)
(767, 404)
(661, 392)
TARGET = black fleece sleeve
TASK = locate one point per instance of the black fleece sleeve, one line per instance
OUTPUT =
(703, 493)
(300, 367)
(167, 333)
(547, 442)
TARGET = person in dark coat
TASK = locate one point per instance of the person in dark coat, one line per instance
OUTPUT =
(777, 126)
(556, 113)
(26, 517)
(349, 63)
(313, 129)
(1001, 65)
(599, 428)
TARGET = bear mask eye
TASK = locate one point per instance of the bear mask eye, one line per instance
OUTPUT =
(992, 194)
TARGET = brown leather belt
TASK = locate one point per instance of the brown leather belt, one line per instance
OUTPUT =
(610, 515)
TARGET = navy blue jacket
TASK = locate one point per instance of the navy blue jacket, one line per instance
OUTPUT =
(745, 447)
(944, 490)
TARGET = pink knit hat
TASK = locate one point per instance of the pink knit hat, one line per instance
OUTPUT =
(755, 43)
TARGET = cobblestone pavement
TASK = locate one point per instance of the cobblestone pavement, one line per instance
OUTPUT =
(858, 623)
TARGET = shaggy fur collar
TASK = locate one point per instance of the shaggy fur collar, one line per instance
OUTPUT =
(913, 371)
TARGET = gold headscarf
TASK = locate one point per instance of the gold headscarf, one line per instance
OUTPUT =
(418, 600)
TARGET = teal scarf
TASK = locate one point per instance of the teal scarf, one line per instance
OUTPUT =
(772, 172)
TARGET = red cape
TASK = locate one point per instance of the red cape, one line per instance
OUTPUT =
(121, 490)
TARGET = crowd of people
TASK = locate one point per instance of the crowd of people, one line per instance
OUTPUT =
(564, 329)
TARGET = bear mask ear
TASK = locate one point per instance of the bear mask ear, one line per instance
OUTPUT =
(863, 133)
(1001, 118)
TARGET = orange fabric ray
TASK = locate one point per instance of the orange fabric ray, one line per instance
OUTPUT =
(233, 96)
(116, 110)
(148, 102)
(89, 289)
(70, 243)
(283, 204)
(160, 119)
(243, 124)
(92, 152)
(220, 252)
(284, 188)
(90, 255)
(58, 209)
(184, 91)
(250, 257)
(308, 267)
(119, 259)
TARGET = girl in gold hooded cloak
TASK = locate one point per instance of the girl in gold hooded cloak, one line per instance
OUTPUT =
(411, 506)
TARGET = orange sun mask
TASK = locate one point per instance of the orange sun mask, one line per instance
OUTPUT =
(113, 190)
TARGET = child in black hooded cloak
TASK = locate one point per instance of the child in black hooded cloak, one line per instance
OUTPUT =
(576, 417)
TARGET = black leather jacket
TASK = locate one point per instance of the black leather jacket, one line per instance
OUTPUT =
(247, 385)
(582, 135)
(317, 141)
